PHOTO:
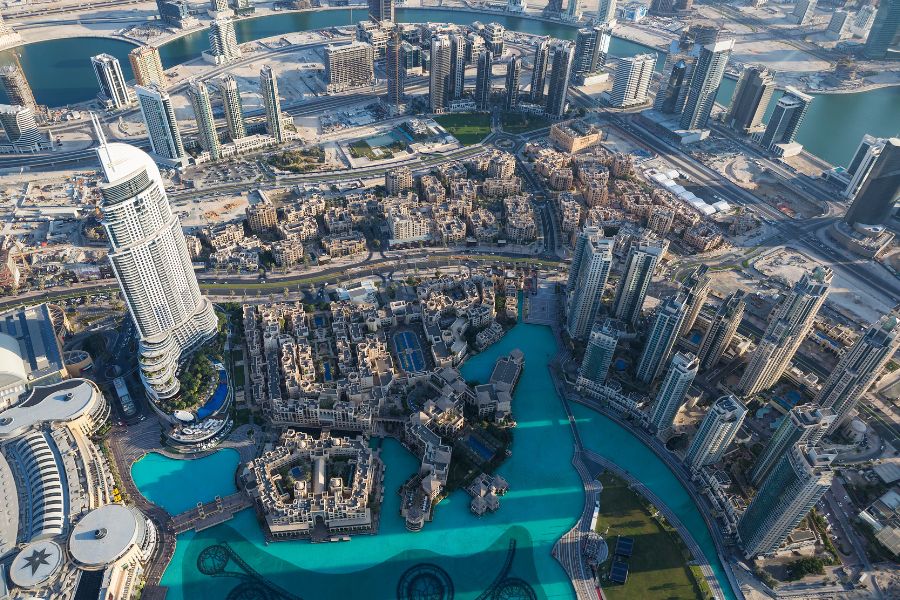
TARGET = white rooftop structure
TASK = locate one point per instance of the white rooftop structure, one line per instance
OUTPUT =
(37, 564)
(105, 535)
(51, 404)
(9, 508)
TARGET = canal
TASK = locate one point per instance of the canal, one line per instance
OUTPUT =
(60, 72)
(545, 499)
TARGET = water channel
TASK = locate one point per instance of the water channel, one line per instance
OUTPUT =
(545, 498)
(60, 71)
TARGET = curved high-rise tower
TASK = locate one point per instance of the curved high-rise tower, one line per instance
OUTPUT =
(150, 260)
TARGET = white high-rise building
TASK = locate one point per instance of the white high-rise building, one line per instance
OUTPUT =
(805, 424)
(859, 367)
(862, 162)
(457, 81)
(268, 87)
(601, 346)
(439, 76)
(112, 82)
(797, 482)
(159, 117)
(803, 11)
(150, 260)
(643, 256)
(198, 94)
(838, 25)
(223, 46)
(631, 86)
(21, 128)
(695, 288)
(678, 379)
(788, 326)
(661, 337)
(716, 432)
(606, 11)
(234, 109)
(591, 263)
(721, 330)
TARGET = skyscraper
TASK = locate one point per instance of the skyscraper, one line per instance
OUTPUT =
(606, 11)
(150, 260)
(598, 355)
(631, 85)
(788, 325)
(159, 117)
(705, 82)
(695, 288)
(880, 189)
(838, 25)
(805, 424)
(439, 74)
(716, 432)
(643, 256)
(112, 83)
(147, 66)
(494, 35)
(513, 70)
(381, 10)
(560, 75)
(234, 109)
(859, 367)
(884, 36)
(14, 83)
(572, 10)
(483, 80)
(198, 94)
(591, 50)
(661, 338)
(395, 65)
(797, 482)
(457, 66)
(862, 24)
(349, 65)
(803, 11)
(861, 164)
(678, 379)
(268, 87)
(786, 119)
(21, 128)
(721, 330)
(539, 73)
(751, 99)
(591, 263)
(223, 46)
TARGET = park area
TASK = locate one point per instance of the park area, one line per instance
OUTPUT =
(517, 123)
(468, 128)
(658, 562)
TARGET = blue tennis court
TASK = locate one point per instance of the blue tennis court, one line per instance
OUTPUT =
(409, 353)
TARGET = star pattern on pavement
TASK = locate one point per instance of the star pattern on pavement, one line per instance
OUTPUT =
(37, 558)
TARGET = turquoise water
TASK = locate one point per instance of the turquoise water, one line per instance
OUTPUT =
(177, 485)
(544, 501)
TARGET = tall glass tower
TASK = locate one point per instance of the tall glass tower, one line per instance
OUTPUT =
(150, 260)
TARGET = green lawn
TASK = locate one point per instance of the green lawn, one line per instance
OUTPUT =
(468, 128)
(658, 568)
(520, 123)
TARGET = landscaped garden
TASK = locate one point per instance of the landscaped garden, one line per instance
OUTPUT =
(468, 128)
(658, 566)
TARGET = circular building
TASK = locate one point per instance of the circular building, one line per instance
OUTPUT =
(109, 535)
(36, 565)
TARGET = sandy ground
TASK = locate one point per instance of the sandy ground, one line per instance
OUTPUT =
(790, 264)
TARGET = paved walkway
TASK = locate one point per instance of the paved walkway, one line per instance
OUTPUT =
(129, 444)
